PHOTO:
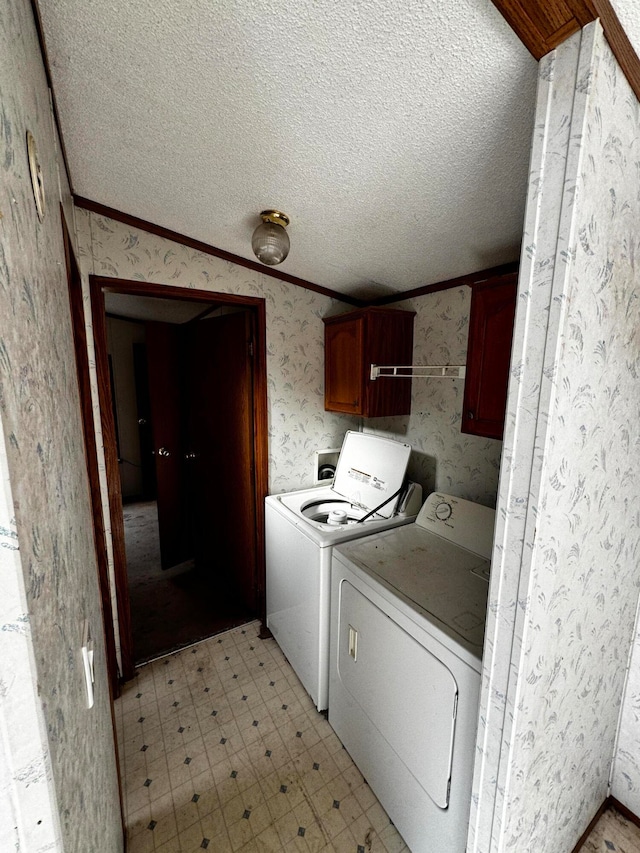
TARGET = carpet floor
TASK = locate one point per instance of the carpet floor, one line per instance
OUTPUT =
(173, 608)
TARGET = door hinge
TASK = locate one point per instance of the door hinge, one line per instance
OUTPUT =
(250, 349)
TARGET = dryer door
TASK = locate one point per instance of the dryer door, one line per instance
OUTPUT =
(407, 693)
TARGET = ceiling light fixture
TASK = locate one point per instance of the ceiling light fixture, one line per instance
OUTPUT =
(270, 241)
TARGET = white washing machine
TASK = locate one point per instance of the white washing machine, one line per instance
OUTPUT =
(301, 528)
(408, 613)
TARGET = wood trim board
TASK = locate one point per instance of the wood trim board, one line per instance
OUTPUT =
(205, 248)
(468, 279)
(463, 280)
(113, 477)
(541, 25)
(47, 71)
(609, 803)
(624, 811)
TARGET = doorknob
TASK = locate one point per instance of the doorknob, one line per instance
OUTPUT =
(164, 452)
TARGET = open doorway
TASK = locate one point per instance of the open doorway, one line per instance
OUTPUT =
(183, 403)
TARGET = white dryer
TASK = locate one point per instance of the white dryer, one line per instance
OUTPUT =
(367, 495)
(407, 628)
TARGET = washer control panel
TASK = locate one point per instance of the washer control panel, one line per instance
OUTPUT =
(467, 524)
(443, 511)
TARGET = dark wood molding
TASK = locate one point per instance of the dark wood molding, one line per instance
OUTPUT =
(469, 280)
(205, 248)
(171, 291)
(624, 811)
(113, 477)
(541, 25)
(47, 71)
(98, 286)
(609, 803)
(261, 448)
(605, 805)
(164, 290)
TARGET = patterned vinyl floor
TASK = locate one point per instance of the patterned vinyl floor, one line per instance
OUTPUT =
(613, 833)
(221, 749)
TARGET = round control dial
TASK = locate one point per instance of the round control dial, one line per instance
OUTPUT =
(443, 511)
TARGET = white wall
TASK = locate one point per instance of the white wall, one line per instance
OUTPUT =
(564, 586)
(58, 782)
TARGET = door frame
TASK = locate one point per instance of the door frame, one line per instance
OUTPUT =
(98, 285)
(74, 283)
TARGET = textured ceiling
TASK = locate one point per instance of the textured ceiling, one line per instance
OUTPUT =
(395, 135)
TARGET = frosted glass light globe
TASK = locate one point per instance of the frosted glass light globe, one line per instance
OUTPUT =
(270, 241)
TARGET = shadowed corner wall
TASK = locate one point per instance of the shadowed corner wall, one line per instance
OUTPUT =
(58, 781)
(564, 588)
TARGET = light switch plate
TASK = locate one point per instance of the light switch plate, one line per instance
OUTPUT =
(87, 662)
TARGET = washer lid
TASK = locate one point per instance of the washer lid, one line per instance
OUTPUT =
(370, 469)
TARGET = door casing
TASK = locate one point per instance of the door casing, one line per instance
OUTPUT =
(98, 286)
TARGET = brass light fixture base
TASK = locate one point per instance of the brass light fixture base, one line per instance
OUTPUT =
(275, 216)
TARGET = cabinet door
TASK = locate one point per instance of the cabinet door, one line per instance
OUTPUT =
(389, 341)
(343, 380)
(493, 305)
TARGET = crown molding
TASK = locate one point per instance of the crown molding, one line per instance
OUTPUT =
(541, 25)
(205, 248)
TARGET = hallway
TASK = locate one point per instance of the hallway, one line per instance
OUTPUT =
(175, 607)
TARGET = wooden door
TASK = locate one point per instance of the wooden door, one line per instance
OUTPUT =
(343, 364)
(493, 306)
(164, 365)
(220, 421)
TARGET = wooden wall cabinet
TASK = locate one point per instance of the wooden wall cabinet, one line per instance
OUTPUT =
(355, 341)
(493, 305)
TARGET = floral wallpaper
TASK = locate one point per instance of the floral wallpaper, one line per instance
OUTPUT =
(443, 458)
(625, 784)
(58, 781)
(298, 424)
(564, 587)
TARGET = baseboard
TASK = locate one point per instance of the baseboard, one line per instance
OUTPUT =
(624, 811)
(265, 633)
(589, 829)
(609, 803)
